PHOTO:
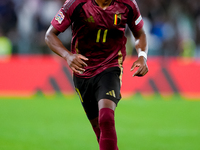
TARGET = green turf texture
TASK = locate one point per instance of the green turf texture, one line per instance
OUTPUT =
(59, 123)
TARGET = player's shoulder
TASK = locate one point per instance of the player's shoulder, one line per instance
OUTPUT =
(74, 1)
(131, 3)
(72, 4)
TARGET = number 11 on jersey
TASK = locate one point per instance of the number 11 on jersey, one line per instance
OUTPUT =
(104, 35)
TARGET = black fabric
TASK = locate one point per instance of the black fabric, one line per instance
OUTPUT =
(105, 85)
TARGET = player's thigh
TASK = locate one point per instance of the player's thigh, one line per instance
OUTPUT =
(87, 98)
(109, 87)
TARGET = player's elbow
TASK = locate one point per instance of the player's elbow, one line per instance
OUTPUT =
(51, 35)
(47, 37)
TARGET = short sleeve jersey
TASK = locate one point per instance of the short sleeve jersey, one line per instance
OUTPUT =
(98, 34)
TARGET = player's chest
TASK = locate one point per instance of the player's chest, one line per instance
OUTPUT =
(114, 16)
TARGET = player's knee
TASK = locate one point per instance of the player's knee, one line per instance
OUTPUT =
(106, 118)
(95, 123)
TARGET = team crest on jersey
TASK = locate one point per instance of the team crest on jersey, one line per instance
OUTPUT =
(60, 17)
(117, 19)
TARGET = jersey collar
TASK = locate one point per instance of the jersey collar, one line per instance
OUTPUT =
(94, 2)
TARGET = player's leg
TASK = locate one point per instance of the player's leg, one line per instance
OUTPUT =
(95, 122)
(108, 137)
(95, 125)
(92, 112)
(108, 96)
(88, 101)
(107, 100)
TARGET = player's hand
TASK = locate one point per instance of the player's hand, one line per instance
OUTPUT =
(77, 62)
(143, 68)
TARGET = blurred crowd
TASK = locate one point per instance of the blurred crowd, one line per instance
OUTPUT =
(172, 27)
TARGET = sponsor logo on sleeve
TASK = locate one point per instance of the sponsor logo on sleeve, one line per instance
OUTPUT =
(60, 17)
(138, 20)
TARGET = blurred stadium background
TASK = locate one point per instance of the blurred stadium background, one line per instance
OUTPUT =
(38, 105)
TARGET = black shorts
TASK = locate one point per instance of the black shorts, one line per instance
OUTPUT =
(105, 85)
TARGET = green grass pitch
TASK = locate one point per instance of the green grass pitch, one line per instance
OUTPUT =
(59, 123)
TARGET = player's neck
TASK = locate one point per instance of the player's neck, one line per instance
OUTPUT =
(103, 3)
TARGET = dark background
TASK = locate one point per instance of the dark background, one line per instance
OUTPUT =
(172, 27)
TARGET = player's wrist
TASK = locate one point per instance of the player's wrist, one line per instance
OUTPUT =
(142, 53)
(66, 54)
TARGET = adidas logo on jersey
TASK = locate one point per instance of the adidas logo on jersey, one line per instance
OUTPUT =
(90, 19)
(111, 93)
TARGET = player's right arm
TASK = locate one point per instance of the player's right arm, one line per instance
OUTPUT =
(60, 23)
(75, 61)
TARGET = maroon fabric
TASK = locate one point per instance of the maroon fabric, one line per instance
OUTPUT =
(108, 136)
(96, 33)
(97, 132)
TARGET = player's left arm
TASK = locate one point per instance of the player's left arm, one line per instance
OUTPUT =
(141, 46)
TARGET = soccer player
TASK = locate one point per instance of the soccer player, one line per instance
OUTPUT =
(97, 55)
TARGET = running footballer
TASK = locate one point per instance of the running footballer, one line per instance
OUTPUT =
(97, 54)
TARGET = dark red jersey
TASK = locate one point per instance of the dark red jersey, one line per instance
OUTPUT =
(98, 34)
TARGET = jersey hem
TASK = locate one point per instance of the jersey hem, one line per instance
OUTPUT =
(96, 73)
